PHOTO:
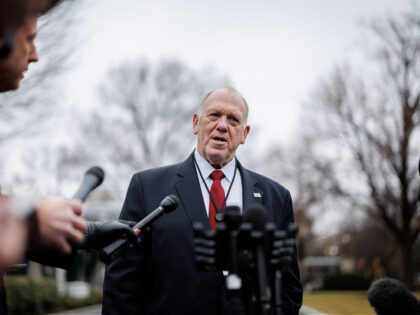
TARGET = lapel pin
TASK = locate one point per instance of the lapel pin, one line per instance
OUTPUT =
(257, 195)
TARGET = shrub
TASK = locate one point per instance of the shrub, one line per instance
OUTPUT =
(30, 295)
(27, 295)
(346, 282)
(94, 298)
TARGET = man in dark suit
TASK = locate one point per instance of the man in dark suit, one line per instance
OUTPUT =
(160, 276)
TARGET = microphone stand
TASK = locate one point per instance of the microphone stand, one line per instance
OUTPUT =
(282, 244)
(260, 265)
(275, 273)
(233, 280)
(232, 219)
(277, 292)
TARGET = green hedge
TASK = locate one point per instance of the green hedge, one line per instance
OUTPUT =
(27, 295)
(31, 295)
(94, 298)
(346, 282)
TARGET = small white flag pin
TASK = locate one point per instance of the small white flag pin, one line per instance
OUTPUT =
(257, 195)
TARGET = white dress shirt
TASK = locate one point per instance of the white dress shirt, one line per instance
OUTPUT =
(235, 195)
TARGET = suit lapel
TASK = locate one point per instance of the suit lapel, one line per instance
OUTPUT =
(190, 194)
(251, 193)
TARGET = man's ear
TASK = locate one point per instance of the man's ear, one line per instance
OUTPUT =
(245, 133)
(195, 123)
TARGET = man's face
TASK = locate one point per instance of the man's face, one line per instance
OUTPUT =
(22, 54)
(221, 127)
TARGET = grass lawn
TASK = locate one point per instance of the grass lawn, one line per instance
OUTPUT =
(340, 302)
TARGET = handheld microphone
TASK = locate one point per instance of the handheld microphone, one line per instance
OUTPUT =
(116, 248)
(389, 296)
(93, 178)
(168, 204)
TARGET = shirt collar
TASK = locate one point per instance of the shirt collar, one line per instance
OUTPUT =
(207, 169)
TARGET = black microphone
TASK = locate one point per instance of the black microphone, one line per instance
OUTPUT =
(93, 178)
(116, 248)
(257, 215)
(168, 204)
(232, 219)
(389, 296)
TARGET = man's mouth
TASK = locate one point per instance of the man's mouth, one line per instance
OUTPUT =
(219, 139)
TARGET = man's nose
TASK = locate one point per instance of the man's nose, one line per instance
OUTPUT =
(222, 124)
(33, 56)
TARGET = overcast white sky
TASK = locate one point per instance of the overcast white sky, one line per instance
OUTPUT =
(274, 50)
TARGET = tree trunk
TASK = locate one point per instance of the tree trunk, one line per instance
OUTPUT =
(406, 271)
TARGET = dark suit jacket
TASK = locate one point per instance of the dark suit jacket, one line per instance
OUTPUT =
(161, 278)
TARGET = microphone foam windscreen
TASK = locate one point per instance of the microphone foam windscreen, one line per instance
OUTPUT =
(389, 296)
(257, 215)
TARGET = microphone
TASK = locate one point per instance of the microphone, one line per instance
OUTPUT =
(168, 204)
(389, 296)
(116, 248)
(93, 178)
(257, 215)
(232, 219)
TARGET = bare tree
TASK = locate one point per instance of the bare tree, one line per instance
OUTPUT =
(301, 168)
(367, 122)
(145, 116)
(359, 240)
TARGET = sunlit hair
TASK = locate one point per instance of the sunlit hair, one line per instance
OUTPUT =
(203, 102)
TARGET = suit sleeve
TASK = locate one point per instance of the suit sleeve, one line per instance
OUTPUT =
(292, 287)
(124, 283)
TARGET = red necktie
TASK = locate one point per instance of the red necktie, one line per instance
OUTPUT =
(218, 194)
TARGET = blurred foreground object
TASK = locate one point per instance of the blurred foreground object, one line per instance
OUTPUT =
(390, 297)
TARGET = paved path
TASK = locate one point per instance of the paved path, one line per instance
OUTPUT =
(89, 310)
(305, 310)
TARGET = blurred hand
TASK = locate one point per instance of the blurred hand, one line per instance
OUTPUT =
(100, 234)
(13, 233)
(59, 223)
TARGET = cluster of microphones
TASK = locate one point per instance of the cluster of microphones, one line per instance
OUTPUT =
(253, 253)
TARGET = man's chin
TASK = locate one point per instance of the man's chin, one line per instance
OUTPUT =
(218, 160)
(9, 87)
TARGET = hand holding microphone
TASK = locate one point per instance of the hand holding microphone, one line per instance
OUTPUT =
(100, 234)
(57, 223)
(118, 247)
